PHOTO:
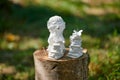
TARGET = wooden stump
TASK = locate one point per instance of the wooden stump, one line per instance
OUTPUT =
(63, 69)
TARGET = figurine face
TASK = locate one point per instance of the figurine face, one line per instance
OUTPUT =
(56, 25)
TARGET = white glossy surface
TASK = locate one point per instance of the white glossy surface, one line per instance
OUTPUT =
(56, 41)
(75, 46)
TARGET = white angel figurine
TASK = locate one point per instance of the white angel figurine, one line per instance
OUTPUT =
(75, 46)
(56, 41)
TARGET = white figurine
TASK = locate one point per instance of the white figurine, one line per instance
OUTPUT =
(75, 47)
(56, 41)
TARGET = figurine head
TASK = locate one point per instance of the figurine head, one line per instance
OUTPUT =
(76, 34)
(56, 24)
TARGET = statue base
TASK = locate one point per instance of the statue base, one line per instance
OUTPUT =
(64, 68)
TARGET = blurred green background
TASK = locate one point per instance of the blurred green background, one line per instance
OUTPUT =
(23, 30)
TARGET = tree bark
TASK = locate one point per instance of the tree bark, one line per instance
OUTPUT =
(63, 69)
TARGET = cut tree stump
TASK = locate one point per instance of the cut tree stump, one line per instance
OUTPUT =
(63, 69)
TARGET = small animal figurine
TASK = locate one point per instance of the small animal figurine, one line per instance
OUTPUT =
(56, 41)
(75, 46)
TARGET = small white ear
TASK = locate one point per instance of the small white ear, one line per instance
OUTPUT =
(81, 31)
(74, 31)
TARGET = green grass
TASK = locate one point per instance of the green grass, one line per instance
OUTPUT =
(23, 30)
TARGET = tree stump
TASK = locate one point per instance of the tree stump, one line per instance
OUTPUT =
(63, 69)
